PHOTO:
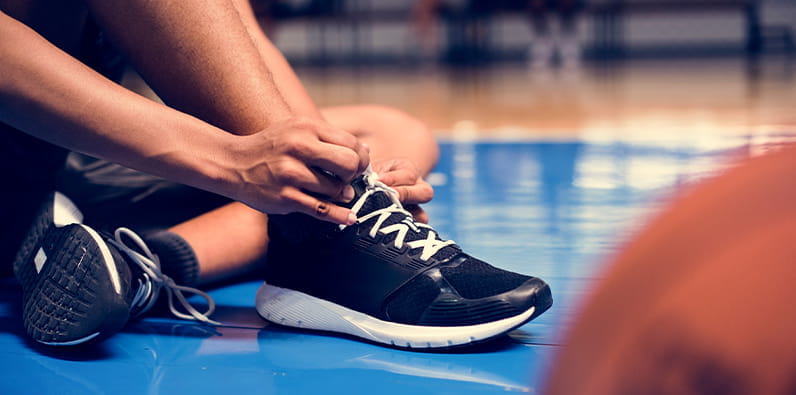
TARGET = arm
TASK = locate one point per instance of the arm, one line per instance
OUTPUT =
(201, 58)
(52, 96)
(399, 165)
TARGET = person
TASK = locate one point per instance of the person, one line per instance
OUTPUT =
(468, 35)
(547, 42)
(317, 200)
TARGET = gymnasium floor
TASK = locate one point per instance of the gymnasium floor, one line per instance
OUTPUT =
(544, 177)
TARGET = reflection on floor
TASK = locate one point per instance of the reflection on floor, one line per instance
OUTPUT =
(639, 99)
(554, 209)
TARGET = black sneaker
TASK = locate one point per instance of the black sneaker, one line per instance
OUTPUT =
(81, 286)
(389, 279)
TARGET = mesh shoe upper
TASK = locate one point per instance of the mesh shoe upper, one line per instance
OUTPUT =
(393, 268)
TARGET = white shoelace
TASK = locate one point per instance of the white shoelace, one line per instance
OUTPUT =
(154, 280)
(431, 244)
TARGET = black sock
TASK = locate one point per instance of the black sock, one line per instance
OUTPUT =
(177, 259)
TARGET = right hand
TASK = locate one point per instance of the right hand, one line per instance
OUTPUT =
(403, 176)
(298, 165)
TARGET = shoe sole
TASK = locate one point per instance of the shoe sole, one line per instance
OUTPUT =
(296, 309)
(63, 284)
(57, 212)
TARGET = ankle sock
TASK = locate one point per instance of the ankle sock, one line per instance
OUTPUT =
(177, 258)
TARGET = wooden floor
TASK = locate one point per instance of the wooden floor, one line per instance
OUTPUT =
(637, 99)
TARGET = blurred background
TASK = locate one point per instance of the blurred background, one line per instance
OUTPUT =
(638, 68)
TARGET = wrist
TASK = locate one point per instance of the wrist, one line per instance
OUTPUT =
(193, 153)
(215, 163)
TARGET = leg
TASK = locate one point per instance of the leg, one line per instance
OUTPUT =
(239, 96)
(569, 46)
(541, 51)
(228, 241)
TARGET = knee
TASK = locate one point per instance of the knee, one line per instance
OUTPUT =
(383, 123)
(406, 128)
(393, 120)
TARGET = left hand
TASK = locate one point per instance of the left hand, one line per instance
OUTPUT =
(403, 176)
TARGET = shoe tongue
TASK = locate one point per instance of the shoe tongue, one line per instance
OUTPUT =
(377, 200)
(360, 186)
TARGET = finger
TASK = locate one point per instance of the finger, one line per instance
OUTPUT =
(296, 174)
(418, 213)
(415, 194)
(340, 161)
(338, 137)
(363, 151)
(398, 177)
(345, 139)
(320, 209)
(320, 182)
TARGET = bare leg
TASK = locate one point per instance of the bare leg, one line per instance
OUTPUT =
(238, 95)
(228, 241)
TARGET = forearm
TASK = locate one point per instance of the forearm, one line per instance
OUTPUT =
(80, 110)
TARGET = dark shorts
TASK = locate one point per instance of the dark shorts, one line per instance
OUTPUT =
(109, 195)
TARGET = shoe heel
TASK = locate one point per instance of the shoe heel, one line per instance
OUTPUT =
(57, 212)
(64, 211)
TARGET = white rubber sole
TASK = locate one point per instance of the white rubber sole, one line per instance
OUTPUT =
(292, 308)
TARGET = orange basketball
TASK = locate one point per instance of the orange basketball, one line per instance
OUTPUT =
(701, 302)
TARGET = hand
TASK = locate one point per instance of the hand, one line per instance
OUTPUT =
(298, 165)
(403, 176)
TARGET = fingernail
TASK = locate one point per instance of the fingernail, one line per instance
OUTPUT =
(352, 219)
(348, 193)
(366, 147)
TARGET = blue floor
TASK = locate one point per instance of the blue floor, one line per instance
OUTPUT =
(556, 210)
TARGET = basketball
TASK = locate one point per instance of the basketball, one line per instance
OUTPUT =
(702, 300)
